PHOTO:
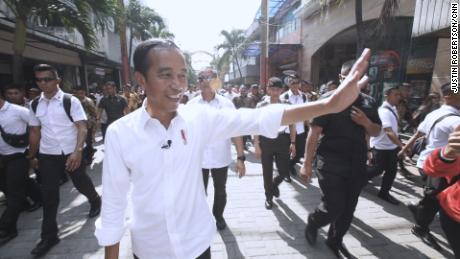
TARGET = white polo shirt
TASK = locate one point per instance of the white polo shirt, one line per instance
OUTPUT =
(58, 133)
(389, 120)
(218, 153)
(171, 217)
(13, 119)
(440, 134)
(295, 99)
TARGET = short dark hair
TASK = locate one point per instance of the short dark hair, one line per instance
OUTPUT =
(275, 82)
(140, 56)
(45, 67)
(346, 67)
(111, 83)
(14, 86)
(447, 90)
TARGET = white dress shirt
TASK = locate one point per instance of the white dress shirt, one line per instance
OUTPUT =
(58, 133)
(439, 136)
(218, 153)
(389, 120)
(295, 99)
(13, 119)
(171, 217)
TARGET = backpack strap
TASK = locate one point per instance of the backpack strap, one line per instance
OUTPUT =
(286, 96)
(304, 97)
(67, 105)
(440, 119)
(34, 104)
(66, 102)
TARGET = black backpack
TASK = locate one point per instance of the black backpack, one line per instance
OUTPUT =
(66, 102)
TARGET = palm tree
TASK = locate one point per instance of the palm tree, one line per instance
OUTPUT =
(232, 47)
(191, 76)
(85, 16)
(144, 23)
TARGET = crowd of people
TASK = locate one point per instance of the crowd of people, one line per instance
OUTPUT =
(159, 140)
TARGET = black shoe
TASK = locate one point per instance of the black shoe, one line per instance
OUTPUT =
(6, 236)
(276, 191)
(221, 224)
(287, 179)
(426, 237)
(44, 246)
(34, 206)
(311, 232)
(339, 250)
(95, 208)
(387, 197)
(268, 204)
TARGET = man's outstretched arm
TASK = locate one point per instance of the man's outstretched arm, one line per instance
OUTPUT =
(342, 98)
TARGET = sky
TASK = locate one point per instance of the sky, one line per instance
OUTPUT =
(197, 24)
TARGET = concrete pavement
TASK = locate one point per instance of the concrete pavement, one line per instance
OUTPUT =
(379, 230)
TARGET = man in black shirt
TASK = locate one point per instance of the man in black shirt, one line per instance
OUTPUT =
(114, 105)
(341, 165)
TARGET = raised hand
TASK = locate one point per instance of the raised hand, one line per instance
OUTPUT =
(349, 89)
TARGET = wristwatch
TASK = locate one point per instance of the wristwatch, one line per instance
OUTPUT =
(242, 158)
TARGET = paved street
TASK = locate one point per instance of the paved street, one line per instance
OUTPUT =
(379, 230)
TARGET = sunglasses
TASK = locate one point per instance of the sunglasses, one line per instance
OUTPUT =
(201, 79)
(44, 79)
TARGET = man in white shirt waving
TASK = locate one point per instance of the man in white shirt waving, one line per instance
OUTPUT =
(57, 138)
(170, 218)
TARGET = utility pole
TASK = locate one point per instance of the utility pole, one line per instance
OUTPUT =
(264, 43)
(125, 75)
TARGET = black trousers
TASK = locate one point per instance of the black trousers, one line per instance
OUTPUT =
(428, 206)
(15, 169)
(452, 230)
(339, 197)
(104, 129)
(219, 178)
(51, 169)
(384, 160)
(205, 255)
(278, 150)
(299, 148)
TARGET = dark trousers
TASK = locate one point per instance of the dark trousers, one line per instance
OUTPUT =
(219, 177)
(299, 150)
(51, 168)
(428, 206)
(89, 149)
(104, 129)
(339, 197)
(452, 230)
(384, 160)
(278, 150)
(15, 169)
(205, 255)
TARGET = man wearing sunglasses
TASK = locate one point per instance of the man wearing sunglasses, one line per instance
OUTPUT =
(56, 145)
(171, 218)
(217, 156)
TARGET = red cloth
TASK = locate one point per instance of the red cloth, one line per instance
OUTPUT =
(449, 199)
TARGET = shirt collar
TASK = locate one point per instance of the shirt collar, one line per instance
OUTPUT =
(58, 96)
(145, 116)
(450, 108)
(5, 107)
(385, 103)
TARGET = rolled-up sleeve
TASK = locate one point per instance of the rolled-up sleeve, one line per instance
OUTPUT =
(261, 121)
(111, 226)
